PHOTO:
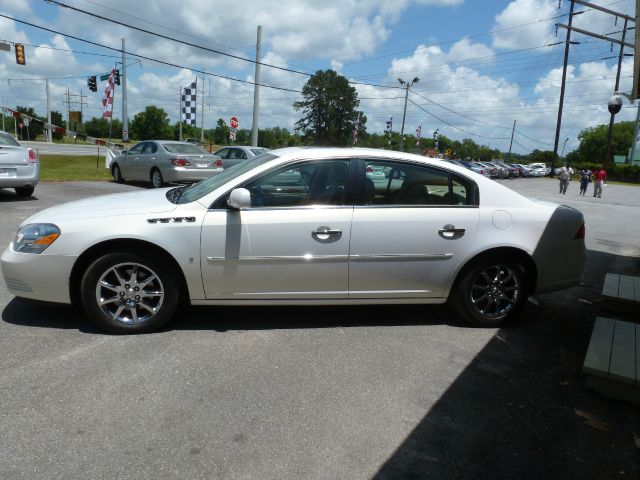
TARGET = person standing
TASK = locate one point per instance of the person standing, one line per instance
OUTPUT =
(565, 177)
(599, 177)
(585, 178)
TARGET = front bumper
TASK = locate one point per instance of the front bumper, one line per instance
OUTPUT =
(37, 276)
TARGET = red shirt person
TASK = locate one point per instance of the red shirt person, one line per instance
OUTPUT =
(599, 176)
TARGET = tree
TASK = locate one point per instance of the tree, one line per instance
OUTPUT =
(56, 119)
(98, 127)
(35, 127)
(221, 133)
(593, 142)
(153, 123)
(329, 108)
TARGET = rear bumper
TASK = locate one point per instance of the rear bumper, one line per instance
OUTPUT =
(19, 175)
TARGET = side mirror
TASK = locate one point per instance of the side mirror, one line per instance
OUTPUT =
(124, 152)
(240, 198)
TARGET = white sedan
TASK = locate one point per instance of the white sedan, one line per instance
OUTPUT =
(301, 226)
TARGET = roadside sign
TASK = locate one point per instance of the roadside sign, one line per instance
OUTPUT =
(232, 135)
(234, 122)
(104, 77)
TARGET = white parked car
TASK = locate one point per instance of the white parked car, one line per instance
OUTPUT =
(301, 226)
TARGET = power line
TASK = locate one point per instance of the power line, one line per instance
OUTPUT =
(453, 126)
(147, 58)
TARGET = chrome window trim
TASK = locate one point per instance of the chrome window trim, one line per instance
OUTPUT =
(297, 207)
(416, 206)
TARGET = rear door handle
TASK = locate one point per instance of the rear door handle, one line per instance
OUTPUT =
(450, 232)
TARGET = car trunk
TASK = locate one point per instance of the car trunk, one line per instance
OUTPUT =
(197, 162)
(12, 160)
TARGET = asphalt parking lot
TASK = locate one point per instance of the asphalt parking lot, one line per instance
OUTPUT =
(333, 392)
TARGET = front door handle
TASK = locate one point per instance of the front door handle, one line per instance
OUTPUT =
(326, 231)
(450, 232)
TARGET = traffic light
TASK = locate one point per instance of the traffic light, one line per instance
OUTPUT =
(92, 83)
(116, 76)
(20, 60)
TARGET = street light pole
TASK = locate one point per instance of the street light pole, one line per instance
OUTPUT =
(406, 96)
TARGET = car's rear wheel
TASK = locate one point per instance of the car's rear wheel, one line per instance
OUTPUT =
(117, 175)
(490, 292)
(24, 191)
(156, 178)
(129, 293)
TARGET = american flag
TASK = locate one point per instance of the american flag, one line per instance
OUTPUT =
(107, 98)
(188, 103)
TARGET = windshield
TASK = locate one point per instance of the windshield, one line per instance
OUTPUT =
(200, 189)
(7, 140)
(258, 151)
(182, 148)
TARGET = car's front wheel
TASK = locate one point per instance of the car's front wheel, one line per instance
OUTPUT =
(491, 292)
(129, 293)
(117, 175)
(156, 178)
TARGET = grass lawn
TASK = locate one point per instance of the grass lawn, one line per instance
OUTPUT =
(66, 168)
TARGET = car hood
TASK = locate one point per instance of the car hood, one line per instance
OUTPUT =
(117, 204)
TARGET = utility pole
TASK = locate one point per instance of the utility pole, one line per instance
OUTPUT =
(511, 143)
(622, 44)
(49, 133)
(256, 92)
(607, 152)
(202, 111)
(123, 80)
(180, 111)
(561, 103)
(68, 109)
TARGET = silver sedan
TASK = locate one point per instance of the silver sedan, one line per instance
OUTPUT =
(301, 226)
(237, 153)
(165, 161)
(19, 166)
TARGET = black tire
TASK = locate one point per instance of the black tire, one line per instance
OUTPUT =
(156, 178)
(490, 292)
(24, 191)
(139, 294)
(117, 175)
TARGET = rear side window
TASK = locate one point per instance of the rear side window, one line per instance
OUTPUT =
(398, 184)
(8, 140)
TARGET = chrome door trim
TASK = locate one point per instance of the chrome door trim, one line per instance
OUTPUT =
(401, 257)
(281, 259)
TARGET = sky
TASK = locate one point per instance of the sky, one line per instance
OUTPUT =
(481, 64)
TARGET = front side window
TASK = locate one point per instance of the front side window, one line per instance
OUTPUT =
(136, 149)
(302, 184)
(396, 183)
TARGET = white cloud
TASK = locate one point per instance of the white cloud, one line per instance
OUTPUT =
(518, 13)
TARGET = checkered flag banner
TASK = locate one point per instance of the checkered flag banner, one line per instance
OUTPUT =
(188, 103)
(418, 133)
(107, 98)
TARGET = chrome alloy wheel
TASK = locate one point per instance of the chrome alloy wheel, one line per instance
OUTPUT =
(495, 291)
(130, 293)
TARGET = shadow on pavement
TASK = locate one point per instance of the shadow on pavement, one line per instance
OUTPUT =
(510, 414)
(8, 195)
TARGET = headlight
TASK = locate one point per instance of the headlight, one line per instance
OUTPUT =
(35, 238)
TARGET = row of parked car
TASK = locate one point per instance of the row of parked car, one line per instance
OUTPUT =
(499, 169)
